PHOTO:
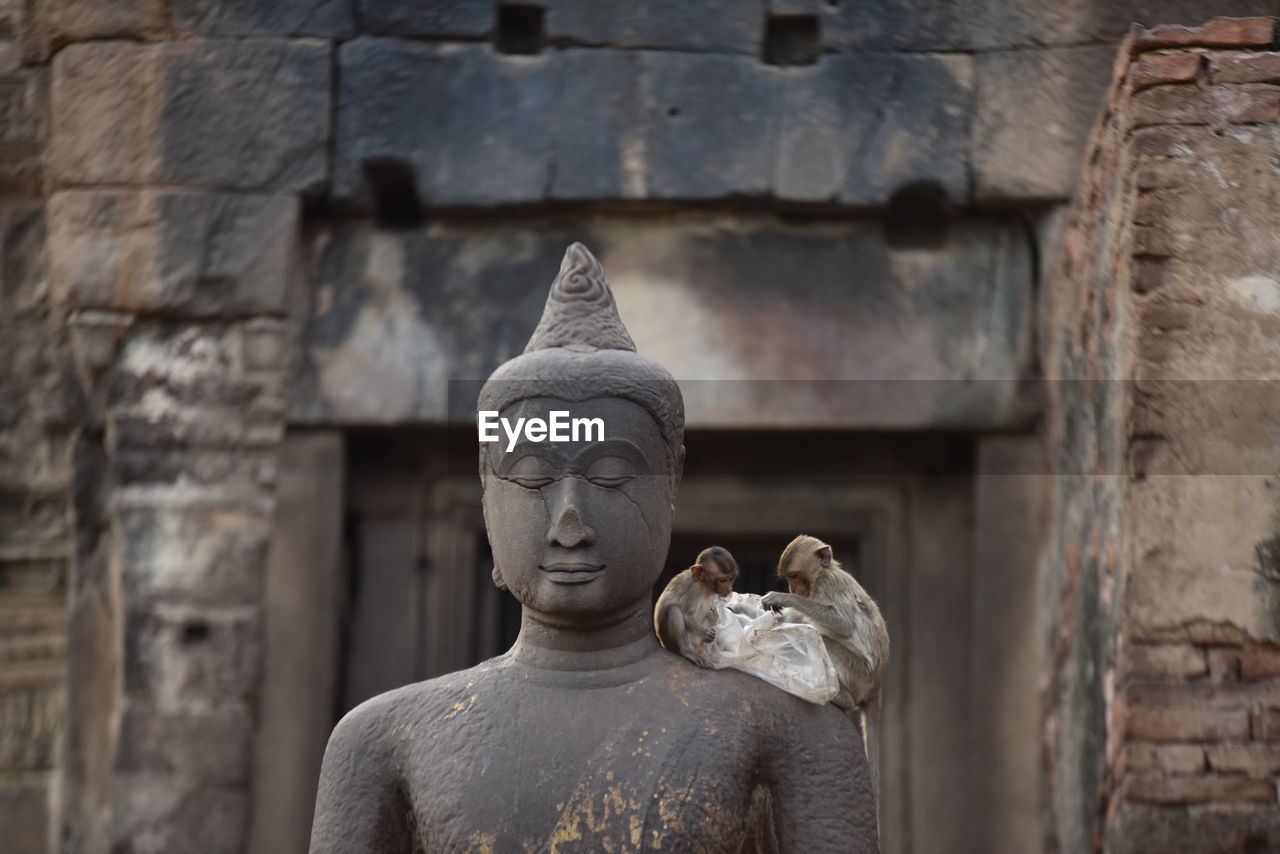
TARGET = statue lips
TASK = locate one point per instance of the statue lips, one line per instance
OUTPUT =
(572, 573)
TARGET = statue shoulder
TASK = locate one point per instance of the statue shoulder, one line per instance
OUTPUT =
(376, 722)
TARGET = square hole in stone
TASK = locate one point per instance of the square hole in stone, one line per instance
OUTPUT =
(520, 29)
(792, 40)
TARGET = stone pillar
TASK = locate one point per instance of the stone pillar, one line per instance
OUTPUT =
(1163, 312)
(177, 169)
(34, 464)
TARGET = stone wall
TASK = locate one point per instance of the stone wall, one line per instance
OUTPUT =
(35, 471)
(200, 204)
(1162, 314)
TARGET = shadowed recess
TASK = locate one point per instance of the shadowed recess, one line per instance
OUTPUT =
(394, 188)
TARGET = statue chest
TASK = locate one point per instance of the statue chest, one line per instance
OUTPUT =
(587, 771)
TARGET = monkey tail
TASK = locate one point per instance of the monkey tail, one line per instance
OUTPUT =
(871, 743)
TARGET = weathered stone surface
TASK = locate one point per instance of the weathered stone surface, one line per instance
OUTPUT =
(187, 660)
(174, 814)
(1141, 829)
(714, 26)
(442, 19)
(192, 553)
(1034, 111)
(85, 20)
(333, 18)
(1232, 31)
(191, 113)
(475, 128)
(24, 104)
(986, 24)
(395, 317)
(25, 814)
(662, 125)
(212, 745)
(854, 129)
(188, 252)
(478, 128)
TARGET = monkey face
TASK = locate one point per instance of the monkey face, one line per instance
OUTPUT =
(580, 528)
(798, 579)
(715, 578)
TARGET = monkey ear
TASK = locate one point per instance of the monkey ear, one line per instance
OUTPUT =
(696, 571)
(824, 555)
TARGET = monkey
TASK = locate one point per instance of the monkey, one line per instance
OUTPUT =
(823, 593)
(685, 616)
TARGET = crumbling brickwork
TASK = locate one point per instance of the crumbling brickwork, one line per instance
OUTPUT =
(1163, 684)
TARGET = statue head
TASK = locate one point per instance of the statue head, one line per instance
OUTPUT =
(580, 526)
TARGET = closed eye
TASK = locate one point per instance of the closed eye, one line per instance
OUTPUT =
(529, 482)
(615, 480)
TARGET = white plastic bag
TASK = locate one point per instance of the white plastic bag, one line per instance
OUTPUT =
(790, 656)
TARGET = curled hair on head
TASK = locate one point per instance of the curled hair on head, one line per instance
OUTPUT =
(580, 350)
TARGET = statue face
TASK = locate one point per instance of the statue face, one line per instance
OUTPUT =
(580, 528)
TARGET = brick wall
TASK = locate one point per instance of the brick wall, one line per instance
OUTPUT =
(1163, 689)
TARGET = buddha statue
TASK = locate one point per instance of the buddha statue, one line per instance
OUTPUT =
(587, 735)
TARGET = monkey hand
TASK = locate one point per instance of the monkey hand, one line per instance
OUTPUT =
(702, 660)
(774, 601)
(709, 634)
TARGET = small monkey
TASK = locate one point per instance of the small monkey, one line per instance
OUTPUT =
(823, 593)
(685, 616)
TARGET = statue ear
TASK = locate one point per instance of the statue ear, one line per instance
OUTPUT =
(498, 581)
(824, 555)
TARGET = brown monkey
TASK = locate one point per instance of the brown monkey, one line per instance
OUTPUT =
(824, 594)
(685, 616)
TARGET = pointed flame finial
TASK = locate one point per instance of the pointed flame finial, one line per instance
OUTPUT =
(580, 313)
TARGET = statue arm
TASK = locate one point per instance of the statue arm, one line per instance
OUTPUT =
(361, 807)
(822, 799)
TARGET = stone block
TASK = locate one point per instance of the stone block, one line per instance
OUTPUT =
(712, 26)
(85, 20)
(192, 554)
(328, 18)
(1034, 111)
(213, 746)
(190, 252)
(186, 660)
(24, 106)
(440, 19)
(471, 127)
(192, 113)
(976, 25)
(398, 315)
(854, 129)
(663, 125)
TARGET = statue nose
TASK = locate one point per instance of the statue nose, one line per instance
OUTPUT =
(569, 530)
